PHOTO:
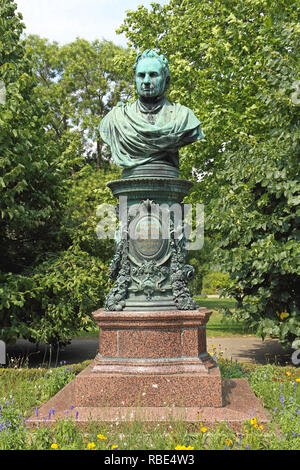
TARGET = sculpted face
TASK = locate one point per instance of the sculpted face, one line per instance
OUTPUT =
(150, 78)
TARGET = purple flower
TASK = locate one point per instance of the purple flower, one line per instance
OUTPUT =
(36, 412)
(282, 399)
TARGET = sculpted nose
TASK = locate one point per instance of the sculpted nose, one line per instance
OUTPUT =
(147, 79)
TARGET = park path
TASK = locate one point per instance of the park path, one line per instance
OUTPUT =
(237, 348)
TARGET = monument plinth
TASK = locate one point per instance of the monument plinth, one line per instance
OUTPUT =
(153, 359)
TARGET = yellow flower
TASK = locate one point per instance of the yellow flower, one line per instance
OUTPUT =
(298, 380)
(54, 445)
(179, 447)
(261, 427)
(287, 373)
(283, 315)
(203, 429)
(228, 442)
(100, 436)
(253, 421)
(91, 445)
(114, 447)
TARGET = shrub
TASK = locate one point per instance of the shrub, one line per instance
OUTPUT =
(214, 282)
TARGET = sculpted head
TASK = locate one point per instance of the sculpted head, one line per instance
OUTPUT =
(152, 75)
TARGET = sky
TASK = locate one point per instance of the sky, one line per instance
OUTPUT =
(64, 20)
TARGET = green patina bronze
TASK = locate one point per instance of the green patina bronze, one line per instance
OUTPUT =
(150, 129)
(148, 270)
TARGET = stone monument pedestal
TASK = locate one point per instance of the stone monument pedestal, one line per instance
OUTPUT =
(151, 359)
(153, 367)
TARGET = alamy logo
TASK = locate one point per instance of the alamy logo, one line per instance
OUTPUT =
(2, 92)
(187, 222)
(2, 352)
(296, 354)
(296, 95)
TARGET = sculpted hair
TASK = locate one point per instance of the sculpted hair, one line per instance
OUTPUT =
(149, 53)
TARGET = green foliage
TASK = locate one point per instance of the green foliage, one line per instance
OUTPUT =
(31, 169)
(258, 238)
(214, 282)
(80, 82)
(12, 428)
(200, 260)
(235, 64)
(55, 300)
(56, 380)
(53, 267)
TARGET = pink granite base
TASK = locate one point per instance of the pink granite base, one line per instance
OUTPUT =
(148, 390)
(152, 367)
(239, 405)
(159, 358)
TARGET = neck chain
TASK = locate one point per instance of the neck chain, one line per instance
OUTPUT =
(150, 109)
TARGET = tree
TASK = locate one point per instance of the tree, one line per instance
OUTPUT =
(53, 300)
(53, 268)
(81, 83)
(235, 64)
(32, 169)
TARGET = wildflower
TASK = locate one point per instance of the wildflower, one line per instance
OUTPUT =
(115, 447)
(283, 315)
(203, 429)
(287, 373)
(100, 436)
(228, 442)
(297, 380)
(253, 421)
(54, 445)
(261, 427)
(91, 445)
(179, 447)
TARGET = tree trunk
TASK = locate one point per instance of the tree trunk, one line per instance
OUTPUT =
(99, 155)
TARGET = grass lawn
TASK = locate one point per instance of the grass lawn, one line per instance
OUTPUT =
(218, 324)
(23, 390)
